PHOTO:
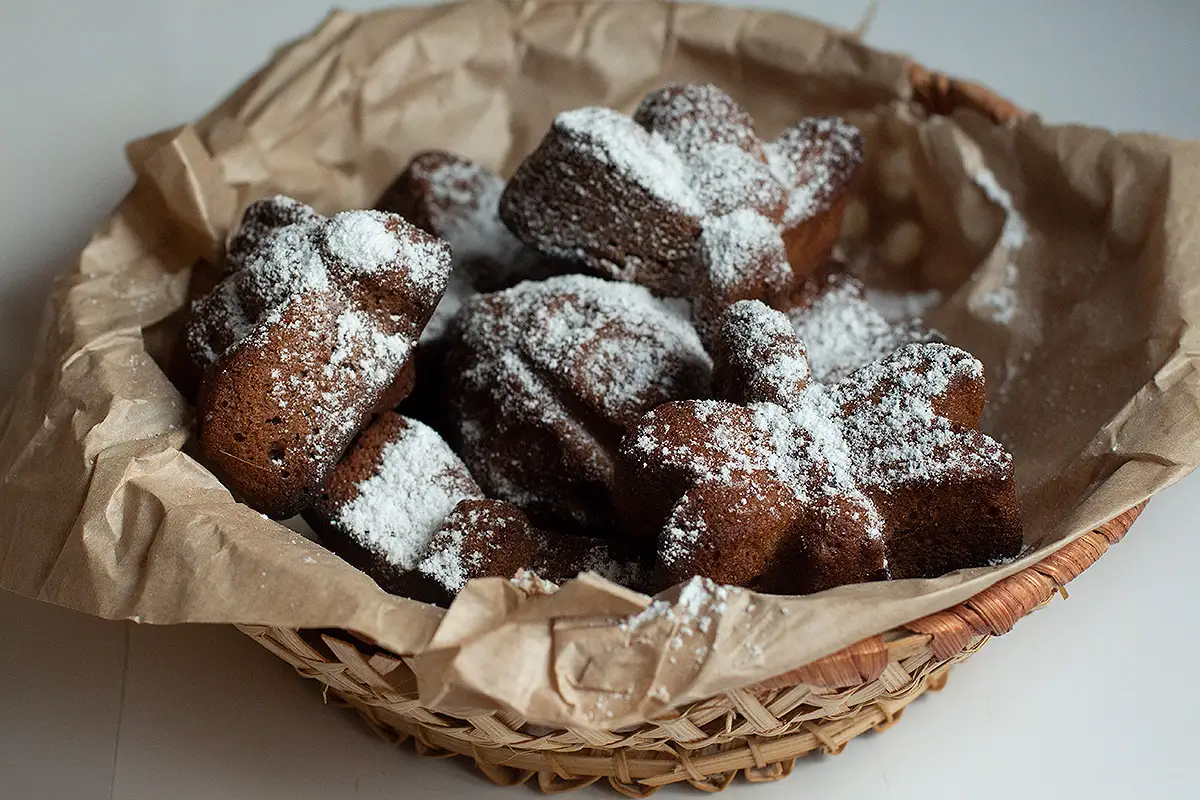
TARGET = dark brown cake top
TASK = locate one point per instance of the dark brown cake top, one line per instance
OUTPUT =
(544, 378)
(906, 419)
(286, 251)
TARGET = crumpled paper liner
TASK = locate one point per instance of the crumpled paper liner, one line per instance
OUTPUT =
(1093, 381)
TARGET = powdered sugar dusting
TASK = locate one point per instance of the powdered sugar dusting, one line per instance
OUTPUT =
(400, 507)
(290, 262)
(616, 339)
(734, 244)
(695, 116)
(447, 561)
(460, 202)
(815, 158)
(361, 240)
(832, 446)
(690, 621)
(615, 344)
(1015, 231)
(695, 148)
(898, 436)
(599, 559)
(761, 348)
(569, 363)
(464, 209)
(259, 220)
(726, 177)
(313, 296)
(645, 158)
(902, 306)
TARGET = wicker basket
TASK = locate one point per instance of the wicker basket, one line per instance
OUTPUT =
(757, 730)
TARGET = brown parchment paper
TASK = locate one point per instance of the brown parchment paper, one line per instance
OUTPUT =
(1092, 380)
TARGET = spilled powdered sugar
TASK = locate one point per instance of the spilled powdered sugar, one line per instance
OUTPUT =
(400, 507)
(691, 620)
(844, 331)
(901, 306)
(532, 584)
(1000, 303)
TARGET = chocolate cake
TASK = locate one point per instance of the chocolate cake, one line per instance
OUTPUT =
(543, 380)
(685, 198)
(806, 486)
(304, 340)
(388, 497)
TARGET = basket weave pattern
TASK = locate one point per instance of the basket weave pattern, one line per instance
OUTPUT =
(758, 731)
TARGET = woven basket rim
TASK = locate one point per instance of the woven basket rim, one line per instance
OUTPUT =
(757, 731)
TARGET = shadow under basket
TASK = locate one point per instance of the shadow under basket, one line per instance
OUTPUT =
(758, 730)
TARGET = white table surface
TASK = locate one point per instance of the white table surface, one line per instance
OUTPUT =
(1094, 697)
